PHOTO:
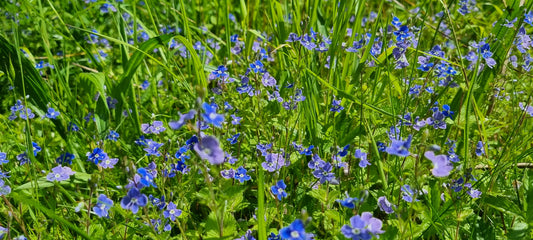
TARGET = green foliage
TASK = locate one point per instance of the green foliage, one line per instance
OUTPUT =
(127, 65)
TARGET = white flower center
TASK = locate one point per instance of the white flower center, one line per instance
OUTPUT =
(295, 234)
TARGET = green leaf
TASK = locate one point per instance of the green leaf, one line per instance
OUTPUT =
(49, 213)
(503, 204)
(124, 88)
(79, 177)
(27, 80)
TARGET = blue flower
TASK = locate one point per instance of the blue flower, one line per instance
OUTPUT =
(4, 190)
(396, 22)
(228, 173)
(172, 212)
(65, 158)
(348, 202)
(316, 162)
(175, 125)
(402, 33)
(219, 73)
(52, 114)
(399, 148)
(209, 149)
(293, 37)
(363, 227)
(385, 205)
(241, 175)
(408, 193)
(3, 158)
(73, 127)
(529, 18)
(210, 115)
(295, 231)
(263, 148)
(279, 189)
(363, 156)
(147, 178)
(36, 148)
(102, 206)
(324, 174)
(344, 151)
(146, 83)
(3, 232)
(356, 230)
(441, 164)
(268, 80)
(257, 66)
(113, 136)
(157, 127)
(510, 24)
(59, 174)
(247, 236)
(108, 163)
(234, 138)
(96, 156)
(23, 158)
(236, 120)
(133, 200)
(273, 162)
(152, 148)
(480, 150)
(336, 106)
(106, 7)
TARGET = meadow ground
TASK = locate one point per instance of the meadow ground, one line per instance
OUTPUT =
(250, 119)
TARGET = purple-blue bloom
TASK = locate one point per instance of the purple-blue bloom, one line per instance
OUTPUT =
(65, 158)
(241, 175)
(102, 206)
(175, 125)
(295, 231)
(480, 150)
(210, 115)
(363, 227)
(385, 205)
(113, 136)
(273, 162)
(108, 163)
(59, 174)
(279, 189)
(172, 212)
(4, 190)
(256, 66)
(52, 113)
(152, 148)
(233, 139)
(147, 178)
(133, 200)
(268, 80)
(348, 202)
(363, 156)
(3, 158)
(36, 148)
(96, 156)
(399, 148)
(441, 164)
(209, 149)
(228, 173)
